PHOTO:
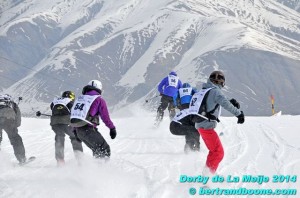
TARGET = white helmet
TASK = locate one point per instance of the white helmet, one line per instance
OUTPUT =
(93, 85)
(96, 83)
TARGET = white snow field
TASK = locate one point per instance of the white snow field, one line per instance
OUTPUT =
(148, 161)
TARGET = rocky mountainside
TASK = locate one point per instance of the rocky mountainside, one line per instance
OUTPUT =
(130, 45)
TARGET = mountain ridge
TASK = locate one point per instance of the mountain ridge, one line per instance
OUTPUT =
(131, 45)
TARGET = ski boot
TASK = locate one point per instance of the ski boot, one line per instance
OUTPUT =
(172, 113)
(22, 161)
(61, 162)
(159, 118)
(191, 147)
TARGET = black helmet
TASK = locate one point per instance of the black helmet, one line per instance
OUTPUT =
(218, 78)
(186, 85)
(68, 94)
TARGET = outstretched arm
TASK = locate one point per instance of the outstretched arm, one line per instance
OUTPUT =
(226, 104)
(104, 114)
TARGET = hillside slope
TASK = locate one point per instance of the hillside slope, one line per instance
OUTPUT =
(131, 45)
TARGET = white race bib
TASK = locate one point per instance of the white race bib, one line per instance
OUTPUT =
(181, 114)
(62, 101)
(173, 80)
(185, 91)
(196, 101)
(82, 107)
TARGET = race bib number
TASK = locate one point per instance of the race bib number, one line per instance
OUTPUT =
(82, 106)
(196, 101)
(173, 81)
(185, 91)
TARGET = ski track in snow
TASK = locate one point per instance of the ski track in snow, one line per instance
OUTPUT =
(147, 161)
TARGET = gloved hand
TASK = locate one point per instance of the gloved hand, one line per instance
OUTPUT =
(241, 118)
(235, 103)
(38, 113)
(113, 133)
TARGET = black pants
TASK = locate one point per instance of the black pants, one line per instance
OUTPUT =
(192, 137)
(166, 101)
(60, 130)
(9, 126)
(94, 140)
(184, 106)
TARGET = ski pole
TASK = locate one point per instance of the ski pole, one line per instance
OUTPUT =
(19, 99)
(38, 113)
(151, 98)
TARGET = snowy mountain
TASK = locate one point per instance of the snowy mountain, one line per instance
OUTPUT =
(148, 162)
(130, 45)
(294, 4)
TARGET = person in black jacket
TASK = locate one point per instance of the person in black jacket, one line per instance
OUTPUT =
(10, 120)
(182, 124)
(60, 123)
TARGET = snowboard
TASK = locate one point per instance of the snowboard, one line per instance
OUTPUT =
(30, 159)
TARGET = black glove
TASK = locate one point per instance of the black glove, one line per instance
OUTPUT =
(113, 133)
(235, 103)
(241, 118)
(38, 113)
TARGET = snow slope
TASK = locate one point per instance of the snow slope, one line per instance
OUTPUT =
(147, 162)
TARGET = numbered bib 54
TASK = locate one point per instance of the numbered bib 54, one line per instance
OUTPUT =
(82, 106)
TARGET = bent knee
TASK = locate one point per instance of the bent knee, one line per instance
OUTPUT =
(220, 153)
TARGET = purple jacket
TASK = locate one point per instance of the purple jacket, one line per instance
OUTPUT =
(99, 107)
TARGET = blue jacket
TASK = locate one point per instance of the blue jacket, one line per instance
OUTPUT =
(169, 85)
(184, 98)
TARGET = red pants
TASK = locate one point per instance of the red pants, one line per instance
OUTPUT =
(214, 145)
